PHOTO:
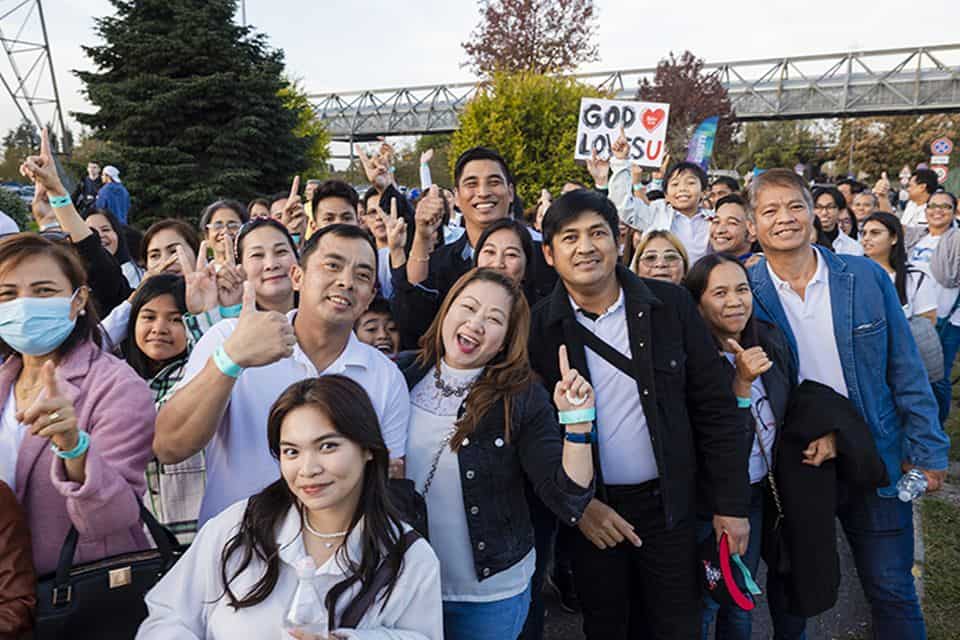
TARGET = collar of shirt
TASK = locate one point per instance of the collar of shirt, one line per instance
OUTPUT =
(292, 549)
(612, 309)
(353, 355)
(822, 274)
(467, 253)
(701, 213)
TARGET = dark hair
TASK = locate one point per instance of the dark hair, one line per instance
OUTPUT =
(151, 288)
(699, 277)
(123, 253)
(339, 230)
(257, 201)
(572, 205)
(369, 195)
(928, 179)
(210, 209)
(259, 223)
(134, 239)
(348, 407)
(732, 198)
(506, 375)
(280, 195)
(943, 192)
(18, 247)
(854, 223)
(181, 228)
(730, 183)
(834, 194)
(898, 252)
(855, 185)
(680, 167)
(379, 305)
(526, 243)
(335, 189)
(479, 153)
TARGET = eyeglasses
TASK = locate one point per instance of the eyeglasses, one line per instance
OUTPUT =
(220, 225)
(652, 258)
(945, 207)
(826, 207)
(846, 224)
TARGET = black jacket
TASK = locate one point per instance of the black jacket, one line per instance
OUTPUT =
(108, 285)
(492, 474)
(685, 387)
(811, 572)
(414, 307)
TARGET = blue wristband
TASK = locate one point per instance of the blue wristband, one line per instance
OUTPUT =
(579, 438)
(59, 202)
(576, 416)
(83, 443)
(227, 366)
(232, 311)
(743, 403)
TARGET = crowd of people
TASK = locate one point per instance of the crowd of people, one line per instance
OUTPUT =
(440, 405)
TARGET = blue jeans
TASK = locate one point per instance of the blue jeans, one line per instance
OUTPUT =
(950, 340)
(733, 623)
(497, 620)
(880, 532)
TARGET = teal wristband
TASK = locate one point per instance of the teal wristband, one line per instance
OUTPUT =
(232, 311)
(743, 403)
(227, 366)
(577, 416)
(83, 443)
(58, 202)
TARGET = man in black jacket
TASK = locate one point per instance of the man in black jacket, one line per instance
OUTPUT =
(665, 413)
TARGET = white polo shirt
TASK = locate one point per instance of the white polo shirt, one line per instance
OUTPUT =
(811, 320)
(914, 215)
(238, 459)
(693, 232)
(626, 451)
(845, 245)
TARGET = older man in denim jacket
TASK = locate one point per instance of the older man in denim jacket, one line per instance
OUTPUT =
(813, 295)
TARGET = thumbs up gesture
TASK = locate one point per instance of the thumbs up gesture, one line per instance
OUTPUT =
(52, 414)
(882, 187)
(750, 363)
(429, 214)
(261, 337)
(572, 391)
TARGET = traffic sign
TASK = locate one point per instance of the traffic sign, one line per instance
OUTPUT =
(945, 160)
(941, 146)
(941, 172)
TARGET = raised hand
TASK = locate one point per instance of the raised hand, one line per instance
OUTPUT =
(662, 171)
(52, 414)
(621, 146)
(230, 277)
(377, 173)
(261, 337)
(294, 216)
(572, 391)
(882, 188)
(426, 156)
(200, 281)
(429, 215)
(599, 169)
(42, 170)
(396, 228)
(750, 363)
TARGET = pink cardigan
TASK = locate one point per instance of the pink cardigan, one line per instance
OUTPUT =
(115, 407)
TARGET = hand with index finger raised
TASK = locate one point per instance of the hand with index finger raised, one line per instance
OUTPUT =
(572, 391)
(621, 146)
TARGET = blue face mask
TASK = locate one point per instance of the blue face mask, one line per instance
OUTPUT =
(36, 326)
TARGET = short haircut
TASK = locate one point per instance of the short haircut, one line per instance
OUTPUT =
(871, 195)
(280, 195)
(952, 197)
(785, 178)
(479, 153)
(256, 201)
(369, 195)
(855, 185)
(729, 182)
(732, 198)
(380, 306)
(340, 230)
(181, 228)
(928, 179)
(571, 206)
(834, 194)
(212, 208)
(335, 189)
(680, 167)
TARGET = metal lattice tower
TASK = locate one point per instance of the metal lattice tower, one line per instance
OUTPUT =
(28, 75)
(856, 83)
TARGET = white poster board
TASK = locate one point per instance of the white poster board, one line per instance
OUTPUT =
(645, 125)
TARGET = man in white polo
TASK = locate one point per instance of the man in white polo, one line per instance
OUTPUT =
(241, 366)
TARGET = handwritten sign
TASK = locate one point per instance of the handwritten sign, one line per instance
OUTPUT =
(645, 125)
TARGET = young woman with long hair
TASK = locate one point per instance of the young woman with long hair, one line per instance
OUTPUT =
(480, 425)
(330, 505)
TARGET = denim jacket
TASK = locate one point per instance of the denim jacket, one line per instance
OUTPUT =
(881, 364)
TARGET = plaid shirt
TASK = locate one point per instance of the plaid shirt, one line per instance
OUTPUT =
(166, 379)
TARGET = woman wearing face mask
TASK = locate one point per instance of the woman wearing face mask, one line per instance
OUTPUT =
(660, 255)
(157, 349)
(329, 509)
(764, 377)
(114, 240)
(479, 426)
(77, 423)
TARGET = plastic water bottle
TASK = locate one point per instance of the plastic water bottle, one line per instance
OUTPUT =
(912, 485)
(306, 611)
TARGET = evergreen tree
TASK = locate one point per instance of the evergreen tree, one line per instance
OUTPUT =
(191, 103)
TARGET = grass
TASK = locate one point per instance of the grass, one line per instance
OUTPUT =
(941, 582)
(953, 421)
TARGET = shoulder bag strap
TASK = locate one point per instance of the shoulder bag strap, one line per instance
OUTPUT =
(605, 351)
(362, 603)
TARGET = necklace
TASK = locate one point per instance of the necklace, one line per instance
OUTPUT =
(323, 536)
(446, 390)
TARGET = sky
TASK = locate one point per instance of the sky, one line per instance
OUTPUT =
(359, 44)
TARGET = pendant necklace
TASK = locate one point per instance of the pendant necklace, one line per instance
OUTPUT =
(324, 537)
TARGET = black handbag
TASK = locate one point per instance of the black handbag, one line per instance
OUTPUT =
(411, 505)
(103, 599)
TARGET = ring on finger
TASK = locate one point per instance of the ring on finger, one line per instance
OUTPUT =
(575, 400)
(54, 417)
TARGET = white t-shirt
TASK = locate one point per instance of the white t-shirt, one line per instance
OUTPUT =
(914, 215)
(11, 436)
(8, 224)
(946, 297)
(239, 463)
(921, 293)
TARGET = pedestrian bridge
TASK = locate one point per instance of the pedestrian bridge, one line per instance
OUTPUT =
(856, 83)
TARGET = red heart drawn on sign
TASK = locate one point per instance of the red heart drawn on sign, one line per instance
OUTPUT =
(652, 118)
